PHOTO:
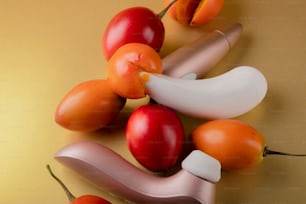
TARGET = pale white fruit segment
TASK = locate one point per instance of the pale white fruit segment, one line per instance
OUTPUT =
(202, 165)
(228, 95)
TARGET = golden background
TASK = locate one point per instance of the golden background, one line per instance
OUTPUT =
(47, 47)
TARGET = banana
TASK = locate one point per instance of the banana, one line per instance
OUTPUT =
(225, 96)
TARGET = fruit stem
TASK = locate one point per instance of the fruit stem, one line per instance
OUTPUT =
(267, 152)
(70, 196)
(164, 11)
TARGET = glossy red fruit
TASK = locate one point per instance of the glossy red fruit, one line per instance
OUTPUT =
(136, 24)
(89, 199)
(155, 136)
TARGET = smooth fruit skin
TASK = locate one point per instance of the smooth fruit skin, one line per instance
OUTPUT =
(137, 24)
(90, 199)
(155, 136)
(235, 144)
(195, 12)
(124, 66)
(89, 106)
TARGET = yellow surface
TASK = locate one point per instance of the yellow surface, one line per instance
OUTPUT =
(48, 46)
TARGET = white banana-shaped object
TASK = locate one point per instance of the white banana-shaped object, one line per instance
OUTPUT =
(225, 96)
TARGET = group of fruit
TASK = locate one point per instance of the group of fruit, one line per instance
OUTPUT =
(131, 42)
(154, 133)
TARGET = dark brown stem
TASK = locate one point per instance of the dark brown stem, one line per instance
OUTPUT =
(164, 11)
(267, 152)
(70, 196)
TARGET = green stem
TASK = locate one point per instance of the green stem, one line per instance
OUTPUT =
(267, 152)
(70, 196)
(164, 11)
